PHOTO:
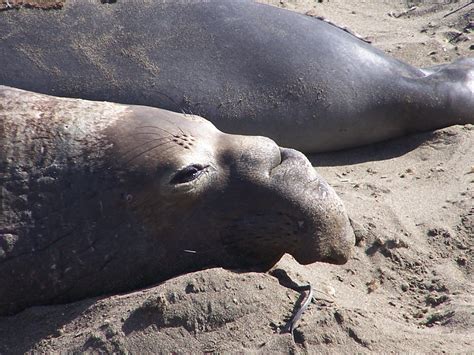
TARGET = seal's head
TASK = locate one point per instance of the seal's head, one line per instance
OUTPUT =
(215, 199)
(106, 198)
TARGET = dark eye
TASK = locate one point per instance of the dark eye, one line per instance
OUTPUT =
(188, 174)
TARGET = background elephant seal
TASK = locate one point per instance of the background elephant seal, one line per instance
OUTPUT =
(247, 67)
(101, 198)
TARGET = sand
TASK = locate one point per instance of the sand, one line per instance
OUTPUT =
(409, 286)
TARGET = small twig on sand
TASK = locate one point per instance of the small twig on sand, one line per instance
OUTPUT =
(403, 13)
(459, 8)
(290, 326)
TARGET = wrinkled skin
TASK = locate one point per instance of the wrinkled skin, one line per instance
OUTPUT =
(249, 68)
(101, 198)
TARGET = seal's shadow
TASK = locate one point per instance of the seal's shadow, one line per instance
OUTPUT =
(373, 152)
(20, 333)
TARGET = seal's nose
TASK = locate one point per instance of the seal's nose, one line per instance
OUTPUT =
(250, 154)
(331, 237)
(342, 248)
(336, 250)
(341, 254)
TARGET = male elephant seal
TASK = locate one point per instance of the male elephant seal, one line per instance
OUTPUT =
(101, 198)
(249, 68)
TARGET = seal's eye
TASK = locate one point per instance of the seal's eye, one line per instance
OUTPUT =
(188, 174)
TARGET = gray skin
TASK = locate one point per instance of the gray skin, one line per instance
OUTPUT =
(102, 198)
(247, 67)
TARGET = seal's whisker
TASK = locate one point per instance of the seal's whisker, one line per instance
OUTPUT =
(149, 150)
(157, 139)
(182, 132)
(159, 128)
(169, 140)
(145, 133)
(173, 146)
(164, 140)
(183, 111)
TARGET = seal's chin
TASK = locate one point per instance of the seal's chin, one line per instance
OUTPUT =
(336, 258)
(338, 252)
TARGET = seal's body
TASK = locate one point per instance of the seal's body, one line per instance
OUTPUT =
(247, 67)
(101, 198)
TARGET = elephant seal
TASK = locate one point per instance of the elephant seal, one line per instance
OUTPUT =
(249, 68)
(102, 198)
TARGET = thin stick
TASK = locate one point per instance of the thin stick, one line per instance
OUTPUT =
(460, 8)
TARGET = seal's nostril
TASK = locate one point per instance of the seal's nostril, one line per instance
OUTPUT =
(276, 158)
(284, 153)
(287, 153)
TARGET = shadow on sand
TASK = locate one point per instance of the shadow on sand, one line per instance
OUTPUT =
(373, 152)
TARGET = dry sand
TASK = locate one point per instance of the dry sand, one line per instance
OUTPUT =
(409, 286)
